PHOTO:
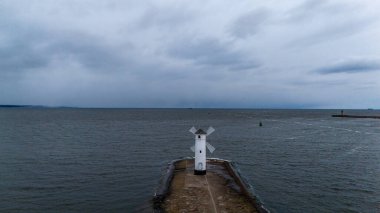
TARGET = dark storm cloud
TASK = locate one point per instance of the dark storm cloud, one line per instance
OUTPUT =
(211, 52)
(351, 66)
(30, 48)
(90, 52)
(250, 23)
(21, 56)
(22, 50)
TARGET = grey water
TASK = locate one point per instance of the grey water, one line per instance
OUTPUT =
(111, 160)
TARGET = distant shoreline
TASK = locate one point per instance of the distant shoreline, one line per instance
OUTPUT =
(17, 106)
(33, 106)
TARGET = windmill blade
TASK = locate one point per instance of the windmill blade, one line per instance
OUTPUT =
(210, 130)
(192, 148)
(193, 130)
(210, 147)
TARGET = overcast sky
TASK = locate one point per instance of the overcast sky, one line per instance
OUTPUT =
(251, 54)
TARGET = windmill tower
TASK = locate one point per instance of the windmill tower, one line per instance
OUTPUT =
(200, 149)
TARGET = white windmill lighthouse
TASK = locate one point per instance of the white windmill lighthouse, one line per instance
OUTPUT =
(200, 149)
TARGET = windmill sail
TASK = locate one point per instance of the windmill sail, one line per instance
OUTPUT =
(210, 130)
(193, 130)
(210, 147)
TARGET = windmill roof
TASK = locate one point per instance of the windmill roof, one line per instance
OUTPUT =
(200, 132)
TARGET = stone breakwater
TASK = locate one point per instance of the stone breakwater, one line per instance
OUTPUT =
(221, 190)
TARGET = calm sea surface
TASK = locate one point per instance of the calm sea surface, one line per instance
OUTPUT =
(111, 160)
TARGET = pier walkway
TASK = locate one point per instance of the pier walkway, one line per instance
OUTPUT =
(217, 191)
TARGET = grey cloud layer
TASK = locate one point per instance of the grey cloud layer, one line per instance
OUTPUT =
(249, 23)
(211, 52)
(32, 49)
(127, 53)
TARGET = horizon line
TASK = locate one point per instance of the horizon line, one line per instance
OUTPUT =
(221, 108)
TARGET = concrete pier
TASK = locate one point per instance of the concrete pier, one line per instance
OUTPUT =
(220, 190)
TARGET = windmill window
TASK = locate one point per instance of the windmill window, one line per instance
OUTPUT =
(200, 151)
(199, 136)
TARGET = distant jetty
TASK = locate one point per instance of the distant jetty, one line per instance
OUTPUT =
(357, 116)
(342, 115)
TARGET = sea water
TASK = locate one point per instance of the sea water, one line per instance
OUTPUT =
(111, 160)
